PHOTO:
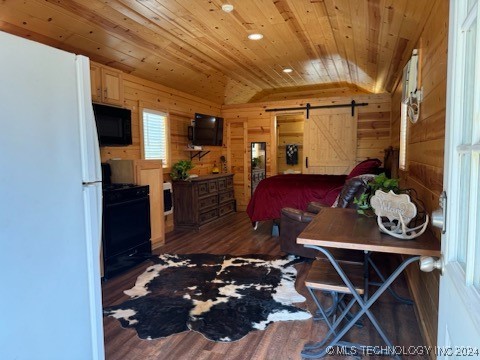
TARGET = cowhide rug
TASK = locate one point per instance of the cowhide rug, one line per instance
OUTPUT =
(223, 297)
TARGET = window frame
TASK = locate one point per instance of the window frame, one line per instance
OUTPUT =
(404, 132)
(404, 126)
(147, 107)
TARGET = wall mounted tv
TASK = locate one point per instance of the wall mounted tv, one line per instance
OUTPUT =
(208, 130)
(114, 125)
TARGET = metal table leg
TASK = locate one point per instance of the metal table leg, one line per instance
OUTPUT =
(364, 305)
(382, 280)
(332, 327)
(331, 309)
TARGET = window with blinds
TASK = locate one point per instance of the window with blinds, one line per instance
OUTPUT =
(155, 136)
(403, 138)
(403, 118)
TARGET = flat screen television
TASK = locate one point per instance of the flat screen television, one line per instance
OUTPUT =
(114, 125)
(207, 130)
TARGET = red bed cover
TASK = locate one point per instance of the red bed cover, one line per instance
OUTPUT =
(292, 190)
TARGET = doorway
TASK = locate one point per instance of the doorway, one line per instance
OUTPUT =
(289, 152)
(258, 160)
(326, 143)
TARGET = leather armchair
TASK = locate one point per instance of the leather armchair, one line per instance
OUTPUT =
(315, 207)
(293, 221)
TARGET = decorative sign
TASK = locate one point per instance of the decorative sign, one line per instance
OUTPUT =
(393, 206)
(399, 210)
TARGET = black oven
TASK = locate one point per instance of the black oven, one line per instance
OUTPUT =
(125, 228)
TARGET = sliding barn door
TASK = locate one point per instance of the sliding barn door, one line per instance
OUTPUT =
(330, 142)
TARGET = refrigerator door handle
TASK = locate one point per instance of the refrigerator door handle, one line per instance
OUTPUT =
(92, 197)
(88, 183)
(90, 149)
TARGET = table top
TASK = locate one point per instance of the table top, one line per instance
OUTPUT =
(345, 229)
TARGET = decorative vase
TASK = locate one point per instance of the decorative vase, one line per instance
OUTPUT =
(215, 169)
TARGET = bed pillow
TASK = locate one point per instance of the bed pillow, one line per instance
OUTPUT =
(368, 166)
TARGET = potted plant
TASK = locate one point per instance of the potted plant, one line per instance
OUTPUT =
(379, 182)
(180, 170)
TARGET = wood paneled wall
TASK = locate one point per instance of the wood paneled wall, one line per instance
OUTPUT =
(425, 147)
(181, 108)
(258, 125)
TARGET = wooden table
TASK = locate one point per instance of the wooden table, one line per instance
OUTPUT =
(345, 229)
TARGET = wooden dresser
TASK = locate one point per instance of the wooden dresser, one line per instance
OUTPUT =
(201, 200)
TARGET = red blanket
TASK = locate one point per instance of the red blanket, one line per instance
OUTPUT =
(292, 190)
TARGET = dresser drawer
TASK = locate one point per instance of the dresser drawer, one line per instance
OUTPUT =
(207, 202)
(225, 196)
(226, 208)
(222, 184)
(202, 188)
(212, 186)
(208, 216)
(229, 182)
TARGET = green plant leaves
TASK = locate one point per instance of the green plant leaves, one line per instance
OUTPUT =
(180, 170)
(379, 182)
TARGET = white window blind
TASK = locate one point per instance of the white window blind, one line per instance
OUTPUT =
(155, 135)
(403, 118)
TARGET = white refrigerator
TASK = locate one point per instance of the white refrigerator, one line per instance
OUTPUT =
(50, 206)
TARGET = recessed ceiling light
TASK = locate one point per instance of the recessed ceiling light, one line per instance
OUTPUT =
(287, 70)
(255, 36)
(227, 8)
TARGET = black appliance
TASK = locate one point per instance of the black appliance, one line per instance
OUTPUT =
(126, 227)
(207, 130)
(106, 174)
(114, 125)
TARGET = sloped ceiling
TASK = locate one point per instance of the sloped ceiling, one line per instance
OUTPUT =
(345, 46)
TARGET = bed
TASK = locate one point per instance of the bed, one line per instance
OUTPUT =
(297, 190)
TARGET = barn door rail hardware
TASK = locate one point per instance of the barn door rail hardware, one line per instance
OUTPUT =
(309, 107)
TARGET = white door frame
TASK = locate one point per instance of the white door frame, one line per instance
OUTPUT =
(459, 307)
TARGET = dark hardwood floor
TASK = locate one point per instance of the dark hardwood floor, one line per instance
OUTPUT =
(281, 340)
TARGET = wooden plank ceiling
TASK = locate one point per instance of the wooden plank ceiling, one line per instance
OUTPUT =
(194, 46)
